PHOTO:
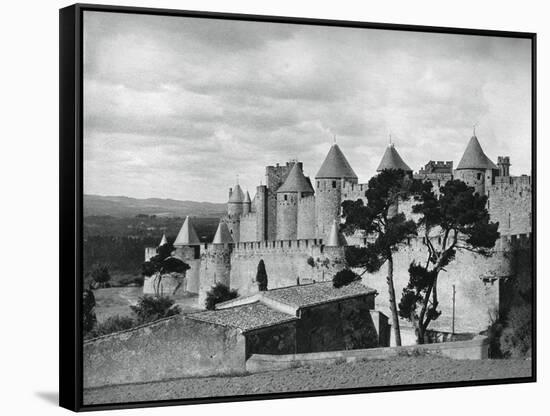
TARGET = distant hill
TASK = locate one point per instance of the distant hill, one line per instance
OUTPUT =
(122, 207)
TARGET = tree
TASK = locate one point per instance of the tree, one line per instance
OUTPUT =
(386, 228)
(151, 308)
(261, 276)
(89, 319)
(217, 294)
(163, 263)
(344, 278)
(453, 220)
(100, 275)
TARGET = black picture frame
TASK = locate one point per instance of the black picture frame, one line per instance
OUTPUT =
(71, 199)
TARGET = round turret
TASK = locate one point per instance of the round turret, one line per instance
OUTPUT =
(235, 205)
(295, 187)
(475, 168)
(334, 171)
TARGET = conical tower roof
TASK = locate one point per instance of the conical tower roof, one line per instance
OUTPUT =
(247, 199)
(474, 157)
(296, 181)
(222, 234)
(163, 240)
(237, 196)
(392, 160)
(187, 235)
(335, 238)
(336, 166)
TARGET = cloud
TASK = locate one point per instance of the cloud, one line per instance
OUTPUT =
(177, 107)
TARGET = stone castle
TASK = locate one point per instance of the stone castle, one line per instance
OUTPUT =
(292, 224)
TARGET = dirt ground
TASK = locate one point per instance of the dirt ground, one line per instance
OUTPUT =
(117, 300)
(400, 371)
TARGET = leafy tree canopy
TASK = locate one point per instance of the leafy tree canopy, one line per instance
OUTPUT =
(219, 293)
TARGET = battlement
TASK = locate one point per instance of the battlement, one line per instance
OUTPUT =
(278, 245)
(438, 166)
(514, 181)
(354, 191)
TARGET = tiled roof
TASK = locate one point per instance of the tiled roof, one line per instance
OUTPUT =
(187, 235)
(316, 293)
(245, 317)
(392, 160)
(336, 166)
(296, 181)
(474, 157)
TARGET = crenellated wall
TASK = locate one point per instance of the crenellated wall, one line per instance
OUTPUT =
(286, 263)
(306, 218)
(354, 191)
(509, 203)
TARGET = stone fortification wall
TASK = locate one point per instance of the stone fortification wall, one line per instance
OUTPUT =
(509, 203)
(191, 256)
(306, 218)
(260, 202)
(286, 263)
(170, 348)
(248, 230)
(476, 282)
(215, 267)
(275, 176)
(287, 215)
(328, 199)
(354, 191)
(234, 225)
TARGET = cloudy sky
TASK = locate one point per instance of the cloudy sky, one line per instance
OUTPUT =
(178, 107)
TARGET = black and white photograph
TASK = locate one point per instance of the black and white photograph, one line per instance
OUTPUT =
(276, 207)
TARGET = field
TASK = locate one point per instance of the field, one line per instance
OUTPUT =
(399, 371)
(117, 300)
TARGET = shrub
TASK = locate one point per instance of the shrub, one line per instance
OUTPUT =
(110, 325)
(494, 333)
(151, 308)
(88, 311)
(217, 294)
(515, 341)
(311, 261)
(344, 278)
(100, 275)
(261, 277)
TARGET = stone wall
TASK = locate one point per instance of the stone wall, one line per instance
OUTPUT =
(169, 285)
(170, 348)
(234, 226)
(341, 325)
(275, 177)
(260, 209)
(286, 263)
(354, 191)
(475, 349)
(475, 178)
(278, 339)
(191, 256)
(475, 280)
(248, 226)
(306, 218)
(509, 203)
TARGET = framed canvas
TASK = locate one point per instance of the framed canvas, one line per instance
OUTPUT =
(256, 207)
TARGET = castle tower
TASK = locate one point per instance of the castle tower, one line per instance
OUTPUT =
(260, 208)
(392, 160)
(216, 262)
(275, 177)
(247, 203)
(335, 238)
(503, 163)
(163, 240)
(295, 187)
(235, 204)
(334, 171)
(475, 168)
(187, 245)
